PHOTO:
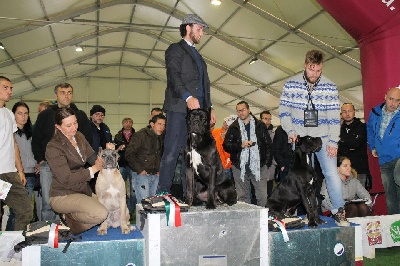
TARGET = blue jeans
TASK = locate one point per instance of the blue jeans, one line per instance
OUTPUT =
(174, 141)
(45, 181)
(332, 179)
(30, 184)
(128, 174)
(228, 173)
(390, 174)
(146, 186)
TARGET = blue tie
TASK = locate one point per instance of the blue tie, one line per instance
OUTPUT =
(200, 90)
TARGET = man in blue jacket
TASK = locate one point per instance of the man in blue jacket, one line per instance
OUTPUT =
(188, 87)
(383, 140)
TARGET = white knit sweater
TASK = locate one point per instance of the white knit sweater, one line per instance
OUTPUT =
(325, 97)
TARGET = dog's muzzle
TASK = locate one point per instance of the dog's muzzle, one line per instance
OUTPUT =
(110, 159)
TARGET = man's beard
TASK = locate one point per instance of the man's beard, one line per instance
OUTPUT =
(192, 37)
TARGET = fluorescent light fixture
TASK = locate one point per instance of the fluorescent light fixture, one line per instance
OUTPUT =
(78, 48)
(253, 60)
(2, 46)
(216, 2)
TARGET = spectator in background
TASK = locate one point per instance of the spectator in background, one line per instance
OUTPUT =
(266, 118)
(155, 111)
(144, 155)
(23, 136)
(250, 146)
(383, 141)
(219, 136)
(11, 169)
(353, 144)
(357, 198)
(283, 152)
(121, 140)
(43, 131)
(43, 106)
(101, 132)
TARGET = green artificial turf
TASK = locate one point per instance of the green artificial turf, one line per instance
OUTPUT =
(384, 257)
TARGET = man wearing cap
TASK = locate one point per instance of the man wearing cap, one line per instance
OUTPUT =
(188, 87)
(44, 130)
(219, 136)
(101, 132)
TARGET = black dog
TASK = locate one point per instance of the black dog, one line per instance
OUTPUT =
(299, 185)
(206, 180)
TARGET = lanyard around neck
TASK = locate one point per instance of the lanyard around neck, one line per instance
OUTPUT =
(309, 90)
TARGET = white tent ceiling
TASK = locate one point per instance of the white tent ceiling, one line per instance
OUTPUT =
(122, 63)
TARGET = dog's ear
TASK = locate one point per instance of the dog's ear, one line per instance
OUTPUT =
(117, 156)
(100, 150)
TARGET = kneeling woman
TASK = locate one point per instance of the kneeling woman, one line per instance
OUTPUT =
(358, 201)
(70, 194)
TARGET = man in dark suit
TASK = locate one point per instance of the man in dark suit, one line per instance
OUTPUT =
(188, 87)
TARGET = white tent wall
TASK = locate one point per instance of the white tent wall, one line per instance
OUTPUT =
(122, 63)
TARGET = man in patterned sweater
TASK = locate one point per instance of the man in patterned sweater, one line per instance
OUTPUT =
(309, 105)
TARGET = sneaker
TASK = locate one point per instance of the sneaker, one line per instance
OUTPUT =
(340, 218)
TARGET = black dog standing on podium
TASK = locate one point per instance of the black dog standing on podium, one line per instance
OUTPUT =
(299, 185)
(206, 181)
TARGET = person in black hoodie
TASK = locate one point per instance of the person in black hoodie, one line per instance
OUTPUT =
(283, 153)
(353, 143)
(250, 146)
(43, 132)
(266, 118)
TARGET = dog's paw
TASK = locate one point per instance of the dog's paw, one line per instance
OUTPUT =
(210, 206)
(312, 224)
(125, 230)
(101, 232)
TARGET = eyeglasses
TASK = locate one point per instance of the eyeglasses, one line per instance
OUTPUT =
(241, 110)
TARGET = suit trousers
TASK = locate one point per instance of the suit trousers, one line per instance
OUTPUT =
(174, 141)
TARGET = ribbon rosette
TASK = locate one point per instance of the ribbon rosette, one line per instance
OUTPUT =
(172, 209)
(53, 236)
(281, 225)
